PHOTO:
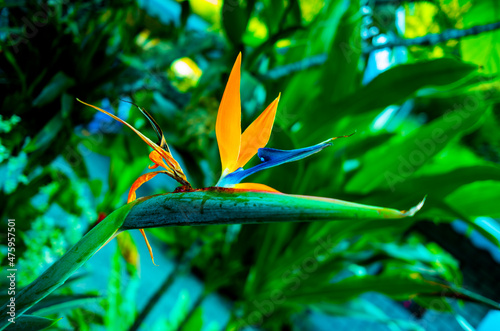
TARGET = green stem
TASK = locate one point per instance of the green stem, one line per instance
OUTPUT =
(435, 38)
(154, 299)
(288, 69)
(195, 306)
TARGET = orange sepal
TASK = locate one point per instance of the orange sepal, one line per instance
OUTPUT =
(257, 134)
(157, 160)
(132, 196)
(141, 180)
(149, 246)
(166, 155)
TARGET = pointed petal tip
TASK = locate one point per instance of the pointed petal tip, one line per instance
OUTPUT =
(346, 136)
(412, 211)
(334, 138)
(238, 60)
(257, 134)
(150, 249)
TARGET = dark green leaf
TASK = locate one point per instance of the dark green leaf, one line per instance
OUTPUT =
(46, 135)
(32, 323)
(57, 86)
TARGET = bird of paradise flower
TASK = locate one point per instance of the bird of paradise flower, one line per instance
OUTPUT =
(235, 148)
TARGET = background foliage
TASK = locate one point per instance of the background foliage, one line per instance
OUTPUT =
(426, 113)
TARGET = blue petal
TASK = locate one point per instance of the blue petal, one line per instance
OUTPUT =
(271, 157)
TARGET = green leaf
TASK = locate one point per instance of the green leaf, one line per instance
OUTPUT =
(46, 135)
(390, 87)
(299, 103)
(482, 49)
(113, 319)
(389, 165)
(95, 187)
(235, 19)
(398, 83)
(444, 184)
(128, 250)
(195, 321)
(57, 86)
(451, 214)
(32, 323)
(398, 285)
(232, 206)
(468, 202)
(61, 270)
(273, 14)
(363, 309)
(413, 253)
(55, 304)
(67, 102)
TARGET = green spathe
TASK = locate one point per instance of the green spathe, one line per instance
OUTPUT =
(199, 207)
(232, 206)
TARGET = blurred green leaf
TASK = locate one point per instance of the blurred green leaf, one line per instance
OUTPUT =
(466, 200)
(57, 86)
(195, 321)
(235, 16)
(388, 165)
(399, 286)
(63, 268)
(390, 87)
(46, 135)
(364, 309)
(34, 323)
(413, 253)
(482, 49)
(56, 304)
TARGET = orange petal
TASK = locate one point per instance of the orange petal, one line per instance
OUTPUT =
(254, 187)
(166, 155)
(228, 125)
(149, 246)
(132, 196)
(139, 181)
(257, 134)
(157, 159)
